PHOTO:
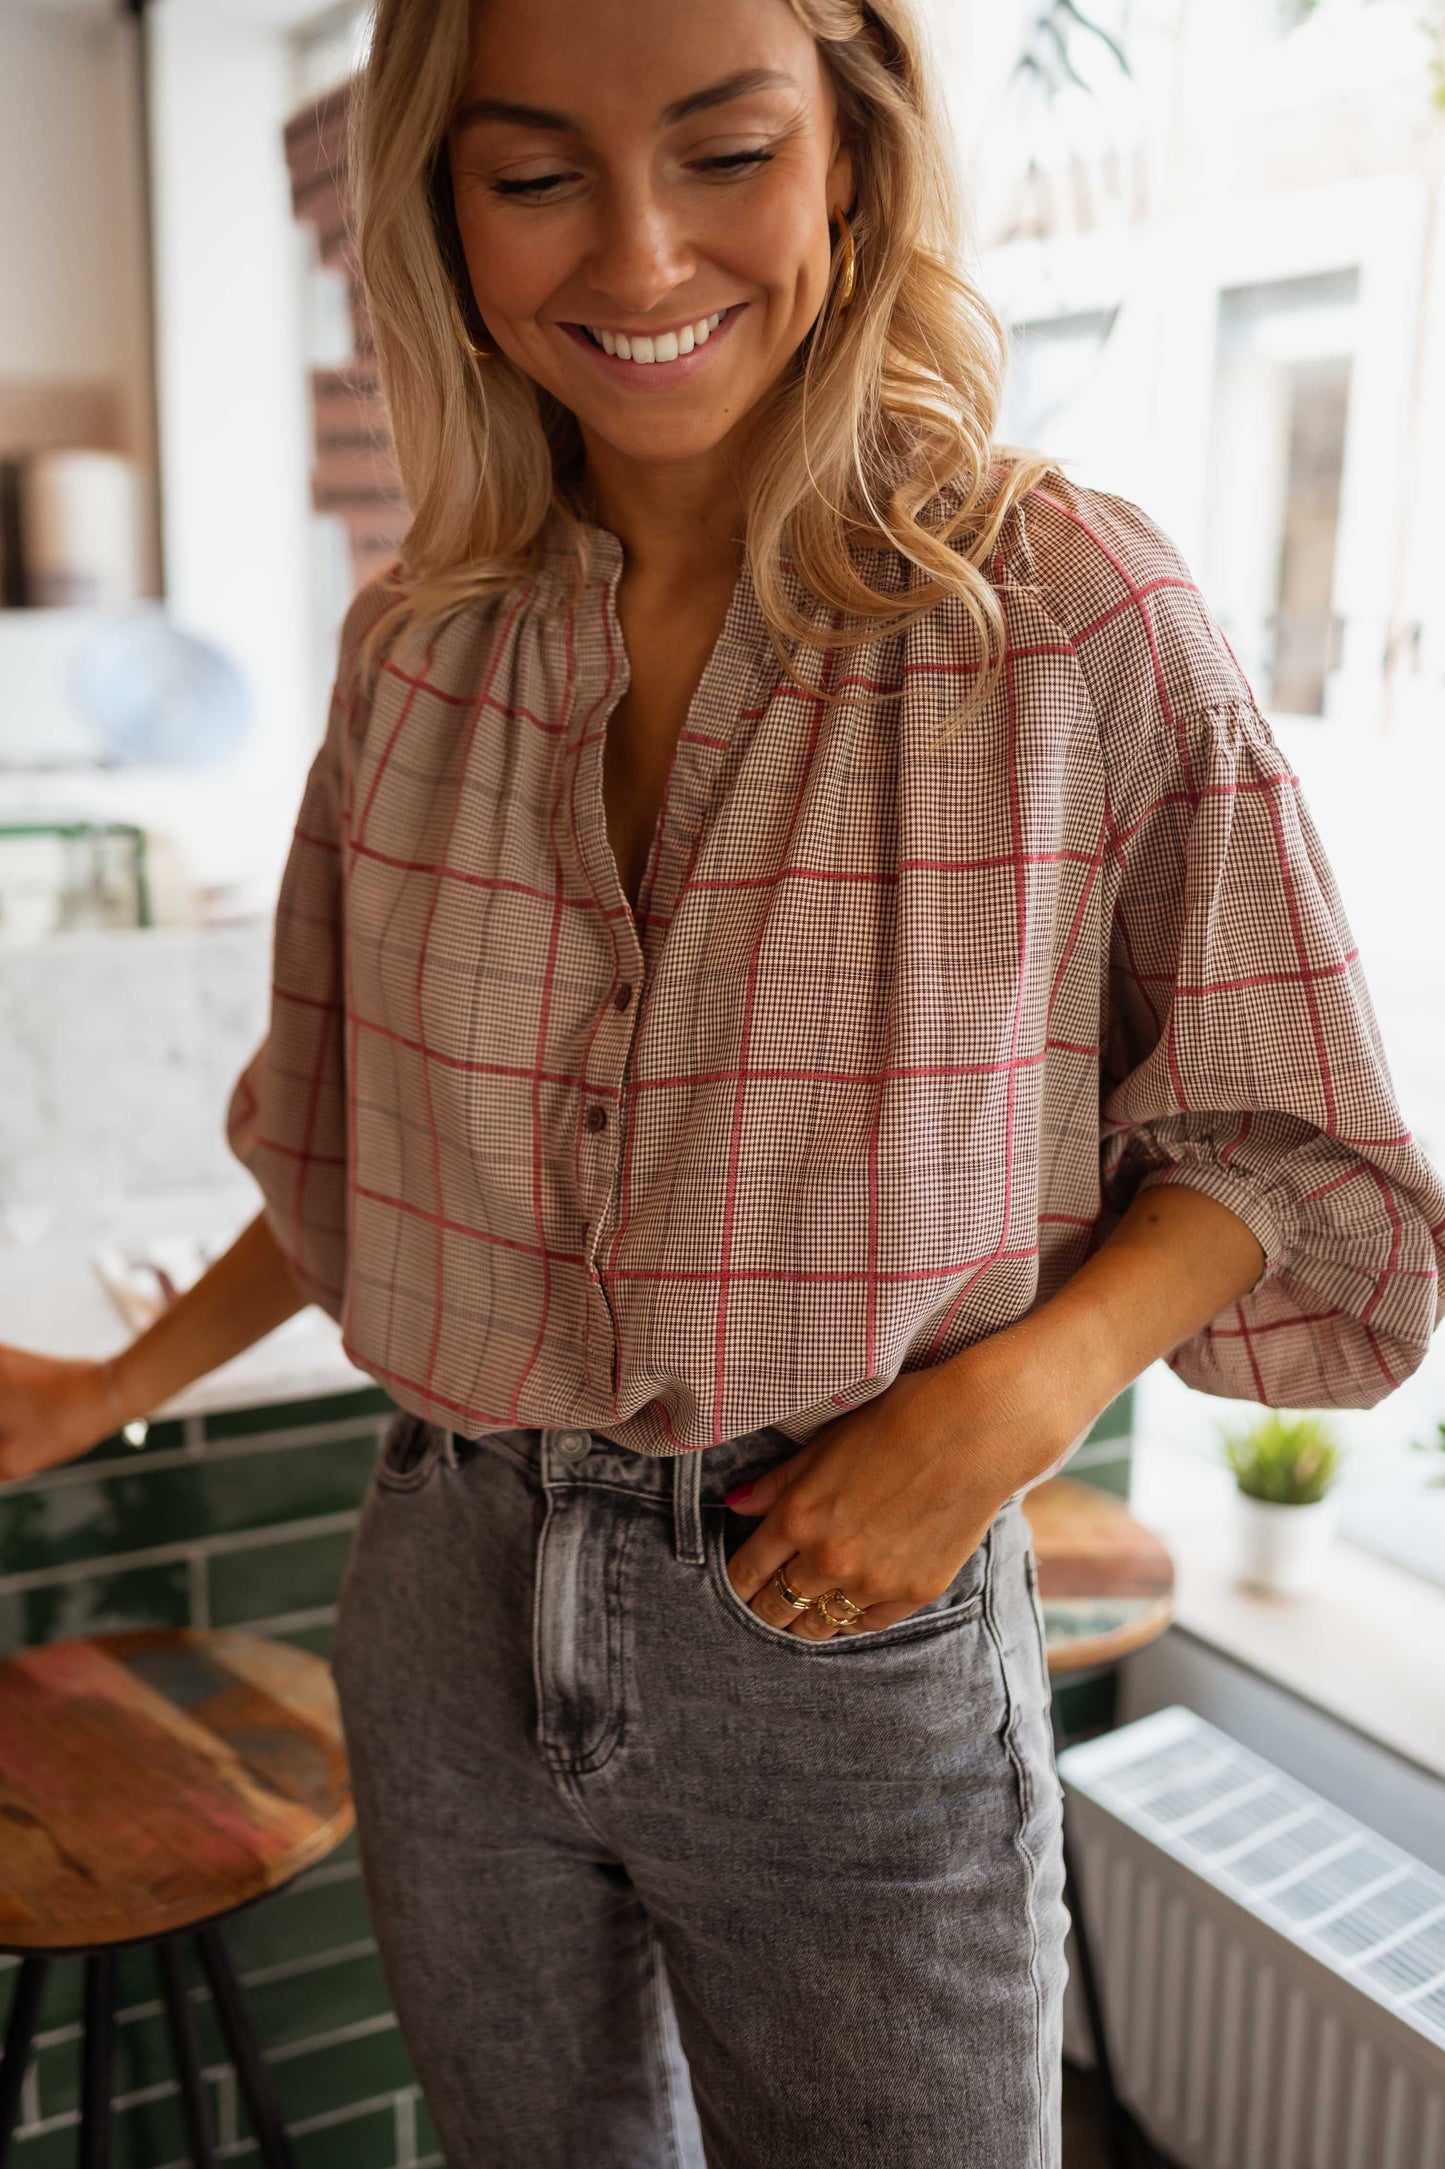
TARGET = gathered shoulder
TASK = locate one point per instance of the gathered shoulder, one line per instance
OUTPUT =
(1121, 592)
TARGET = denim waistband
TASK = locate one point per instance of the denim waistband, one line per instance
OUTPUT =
(557, 1458)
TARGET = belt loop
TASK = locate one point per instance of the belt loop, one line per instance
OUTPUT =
(687, 1507)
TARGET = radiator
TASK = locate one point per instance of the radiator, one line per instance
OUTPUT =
(1273, 1971)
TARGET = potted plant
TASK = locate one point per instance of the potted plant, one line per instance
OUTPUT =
(1285, 1467)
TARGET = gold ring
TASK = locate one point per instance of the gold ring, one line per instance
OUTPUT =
(836, 1596)
(790, 1595)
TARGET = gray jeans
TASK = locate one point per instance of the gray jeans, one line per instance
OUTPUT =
(656, 1884)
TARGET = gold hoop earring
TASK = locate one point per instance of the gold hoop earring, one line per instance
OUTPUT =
(848, 276)
(481, 353)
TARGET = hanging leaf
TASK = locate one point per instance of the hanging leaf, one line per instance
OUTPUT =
(1046, 53)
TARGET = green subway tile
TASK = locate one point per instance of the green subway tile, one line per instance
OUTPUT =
(296, 1415)
(1113, 1476)
(142, 2058)
(45, 2150)
(298, 1923)
(427, 2141)
(358, 2142)
(133, 1510)
(1117, 1420)
(301, 2005)
(1087, 1706)
(328, 2078)
(316, 1640)
(135, 1982)
(294, 1574)
(143, 2136)
(150, 2133)
(151, 1596)
(161, 1438)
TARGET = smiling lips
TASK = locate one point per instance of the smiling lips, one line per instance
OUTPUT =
(666, 346)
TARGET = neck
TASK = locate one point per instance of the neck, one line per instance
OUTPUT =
(680, 522)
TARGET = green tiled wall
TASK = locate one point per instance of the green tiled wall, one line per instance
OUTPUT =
(244, 1519)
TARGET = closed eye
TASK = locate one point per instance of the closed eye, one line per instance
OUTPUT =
(540, 186)
(545, 183)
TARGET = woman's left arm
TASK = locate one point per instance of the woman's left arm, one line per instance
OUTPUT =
(1279, 1235)
(889, 1501)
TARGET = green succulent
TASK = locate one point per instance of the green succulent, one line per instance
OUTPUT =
(1287, 1460)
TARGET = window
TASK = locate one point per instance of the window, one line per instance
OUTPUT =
(1283, 368)
(1053, 363)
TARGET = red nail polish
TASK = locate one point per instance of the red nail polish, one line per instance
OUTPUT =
(739, 1491)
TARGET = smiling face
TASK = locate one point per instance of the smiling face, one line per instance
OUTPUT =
(643, 193)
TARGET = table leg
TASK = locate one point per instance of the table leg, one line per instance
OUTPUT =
(255, 2079)
(95, 2060)
(185, 2050)
(19, 2033)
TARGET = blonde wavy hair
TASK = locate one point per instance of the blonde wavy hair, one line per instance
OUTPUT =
(878, 436)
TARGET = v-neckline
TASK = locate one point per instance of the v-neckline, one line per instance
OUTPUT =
(732, 662)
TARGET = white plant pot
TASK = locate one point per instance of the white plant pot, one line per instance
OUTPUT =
(1284, 1548)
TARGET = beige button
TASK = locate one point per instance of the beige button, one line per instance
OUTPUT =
(572, 1443)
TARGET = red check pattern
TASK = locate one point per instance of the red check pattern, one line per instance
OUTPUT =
(892, 1039)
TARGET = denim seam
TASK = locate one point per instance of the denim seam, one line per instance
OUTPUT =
(689, 1538)
(1025, 1798)
(657, 2034)
(602, 1752)
(411, 1478)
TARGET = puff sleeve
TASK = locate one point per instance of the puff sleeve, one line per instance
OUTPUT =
(1243, 1058)
(286, 1120)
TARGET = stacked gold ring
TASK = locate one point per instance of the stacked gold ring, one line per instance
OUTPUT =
(818, 1604)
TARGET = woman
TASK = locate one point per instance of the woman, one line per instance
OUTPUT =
(802, 970)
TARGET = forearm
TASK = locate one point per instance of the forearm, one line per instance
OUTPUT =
(238, 1300)
(1175, 1260)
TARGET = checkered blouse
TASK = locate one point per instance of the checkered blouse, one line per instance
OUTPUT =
(893, 1038)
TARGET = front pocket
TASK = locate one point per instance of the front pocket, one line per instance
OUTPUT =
(410, 1450)
(959, 1605)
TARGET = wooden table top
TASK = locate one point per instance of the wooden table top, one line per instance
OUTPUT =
(150, 1781)
(1106, 1583)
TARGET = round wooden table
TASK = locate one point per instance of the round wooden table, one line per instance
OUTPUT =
(1106, 1583)
(1106, 1588)
(150, 1785)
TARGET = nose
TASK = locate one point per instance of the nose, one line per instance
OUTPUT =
(640, 253)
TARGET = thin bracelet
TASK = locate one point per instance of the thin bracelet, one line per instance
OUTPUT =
(135, 1431)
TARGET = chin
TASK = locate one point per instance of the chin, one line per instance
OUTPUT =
(651, 439)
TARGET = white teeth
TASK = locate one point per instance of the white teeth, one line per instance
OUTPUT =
(666, 347)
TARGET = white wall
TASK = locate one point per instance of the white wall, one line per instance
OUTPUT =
(234, 413)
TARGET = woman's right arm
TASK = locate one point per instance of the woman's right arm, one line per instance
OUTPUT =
(54, 1408)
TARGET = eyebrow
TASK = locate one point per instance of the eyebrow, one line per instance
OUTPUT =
(741, 85)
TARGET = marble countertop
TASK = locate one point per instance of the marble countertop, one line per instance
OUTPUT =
(53, 1301)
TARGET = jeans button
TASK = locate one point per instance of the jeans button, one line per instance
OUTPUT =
(572, 1443)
